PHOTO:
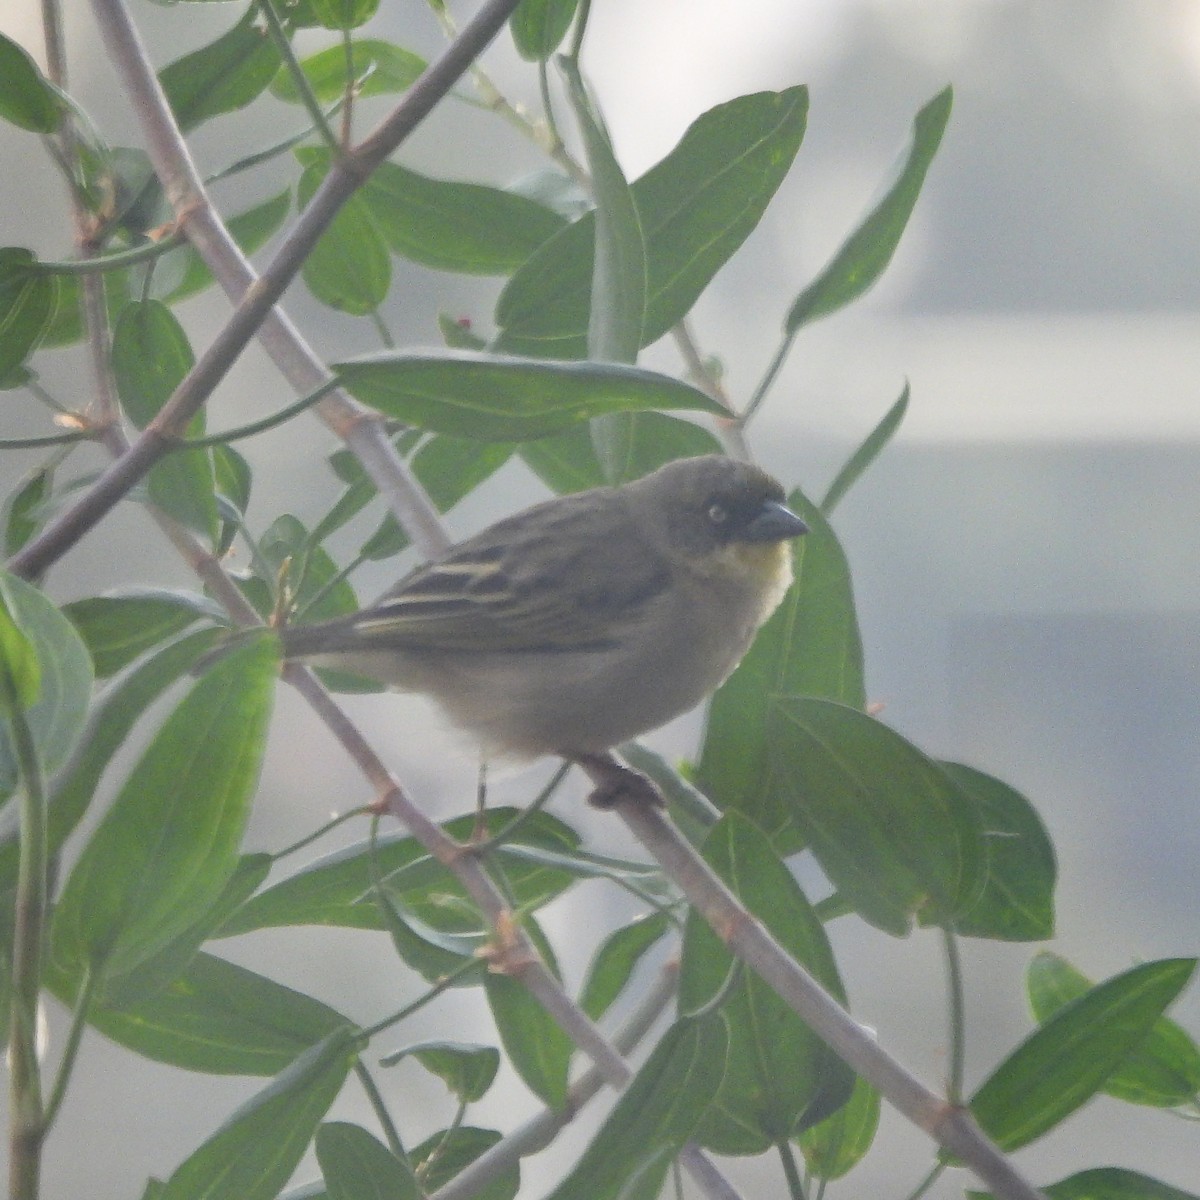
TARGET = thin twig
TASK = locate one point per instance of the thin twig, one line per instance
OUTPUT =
(951, 1126)
(183, 186)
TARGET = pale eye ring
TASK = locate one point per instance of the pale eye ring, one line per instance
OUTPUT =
(718, 514)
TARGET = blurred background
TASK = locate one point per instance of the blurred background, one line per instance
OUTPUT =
(1026, 554)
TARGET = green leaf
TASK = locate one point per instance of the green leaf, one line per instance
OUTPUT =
(1163, 1071)
(434, 955)
(343, 14)
(25, 509)
(862, 257)
(567, 462)
(151, 356)
(337, 890)
(223, 76)
(780, 1077)
(217, 1017)
(536, 1046)
(892, 831)
(655, 1115)
(310, 573)
(810, 647)
(507, 399)
(444, 1155)
(232, 479)
(112, 716)
(383, 68)
(349, 269)
(1113, 1183)
(1069, 1058)
(357, 1166)
(1017, 901)
(696, 207)
(619, 282)
(27, 99)
(121, 627)
(538, 26)
(169, 845)
(171, 962)
(250, 229)
(255, 1152)
(834, 1146)
(20, 671)
(617, 309)
(64, 685)
(27, 300)
(463, 227)
(615, 960)
(467, 1069)
(866, 454)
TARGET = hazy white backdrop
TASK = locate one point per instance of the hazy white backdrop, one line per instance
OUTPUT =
(1026, 555)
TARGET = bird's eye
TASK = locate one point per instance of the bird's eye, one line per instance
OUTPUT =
(718, 514)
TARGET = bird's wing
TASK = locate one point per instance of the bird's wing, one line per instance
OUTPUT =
(561, 581)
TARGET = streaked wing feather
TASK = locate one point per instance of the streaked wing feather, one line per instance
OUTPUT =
(557, 582)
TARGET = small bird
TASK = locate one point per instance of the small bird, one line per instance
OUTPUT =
(585, 620)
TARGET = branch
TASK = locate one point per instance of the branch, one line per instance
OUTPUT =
(519, 953)
(256, 297)
(950, 1125)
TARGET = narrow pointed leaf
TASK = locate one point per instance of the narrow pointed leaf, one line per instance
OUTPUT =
(218, 1018)
(255, 1152)
(1068, 1060)
(536, 1045)
(866, 454)
(1114, 1183)
(696, 207)
(112, 716)
(450, 226)
(169, 845)
(27, 303)
(357, 1166)
(780, 1076)
(892, 831)
(343, 14)
(865, 254)
(338, 889)
(25, 509)
(618, 290)
(1163, 1071)
(432, 954)
(121, 627)
(64, 679)
(151, 355)
(655, 1115)
(444, 1155)
(567, 462)
(1017, 901)
(26, 98)
(20, 671)
(615, 960)
(468, 1070)
(538, 26)
(382, 67)
(223, 76)
(810, 647)
(507, 399)
(837, 1144)
(349, 269)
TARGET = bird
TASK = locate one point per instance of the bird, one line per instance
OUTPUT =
(583, 621)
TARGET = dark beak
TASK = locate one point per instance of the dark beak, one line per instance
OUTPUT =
(775, 522)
